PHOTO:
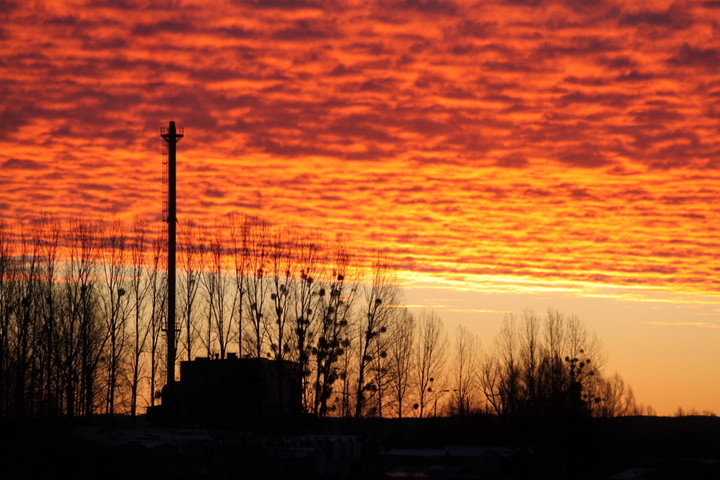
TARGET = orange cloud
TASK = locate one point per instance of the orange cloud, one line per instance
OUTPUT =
(543, 139)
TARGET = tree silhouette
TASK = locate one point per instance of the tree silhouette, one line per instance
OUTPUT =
(157, 314)
(116, 306)
(190, 259)
(139, 285)
(400, 365)
(256, 285)
(83, 307)
(381, 295)
(335, 298)
(464, 376)
(533, 376)
(429, 359)
(239, 232)
(306, 304)
(6, 295)
(84, 337)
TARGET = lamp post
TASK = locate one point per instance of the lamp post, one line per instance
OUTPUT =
(438, 396)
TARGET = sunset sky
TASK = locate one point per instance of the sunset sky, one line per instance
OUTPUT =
(505, 155)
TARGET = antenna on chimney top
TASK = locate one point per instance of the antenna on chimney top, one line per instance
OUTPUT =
(172, 136)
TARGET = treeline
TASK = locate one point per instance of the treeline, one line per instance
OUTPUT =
(83, 313)
(82, 308)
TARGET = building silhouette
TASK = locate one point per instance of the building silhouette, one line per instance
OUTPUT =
(238, 393)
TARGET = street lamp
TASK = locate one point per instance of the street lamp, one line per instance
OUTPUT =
(438, 396)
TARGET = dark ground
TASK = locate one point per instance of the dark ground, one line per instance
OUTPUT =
(656, 448)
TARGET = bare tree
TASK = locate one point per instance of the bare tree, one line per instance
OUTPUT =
(509, 384)
(346, 365)
(239, 231)
(401, 360)
(207, 279)
(466, 363)
(116, 306)
(307, 303)
(189, 283)
(489, 379)
(530, 353)
(574, 357)
(615, 398)
(221, 298)
(256, 291)
(23, 328)
(381, 298)
(139, 286)
(281, 283)
(335, 299)
(158, 312)
(49, 234)
(430, 359)
(542, 375)
(83, 337)
(554, 368)
(7, 284)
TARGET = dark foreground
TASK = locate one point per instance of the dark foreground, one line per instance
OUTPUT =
(471, 448)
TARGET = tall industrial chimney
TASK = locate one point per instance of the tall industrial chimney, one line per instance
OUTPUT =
(171, 135)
